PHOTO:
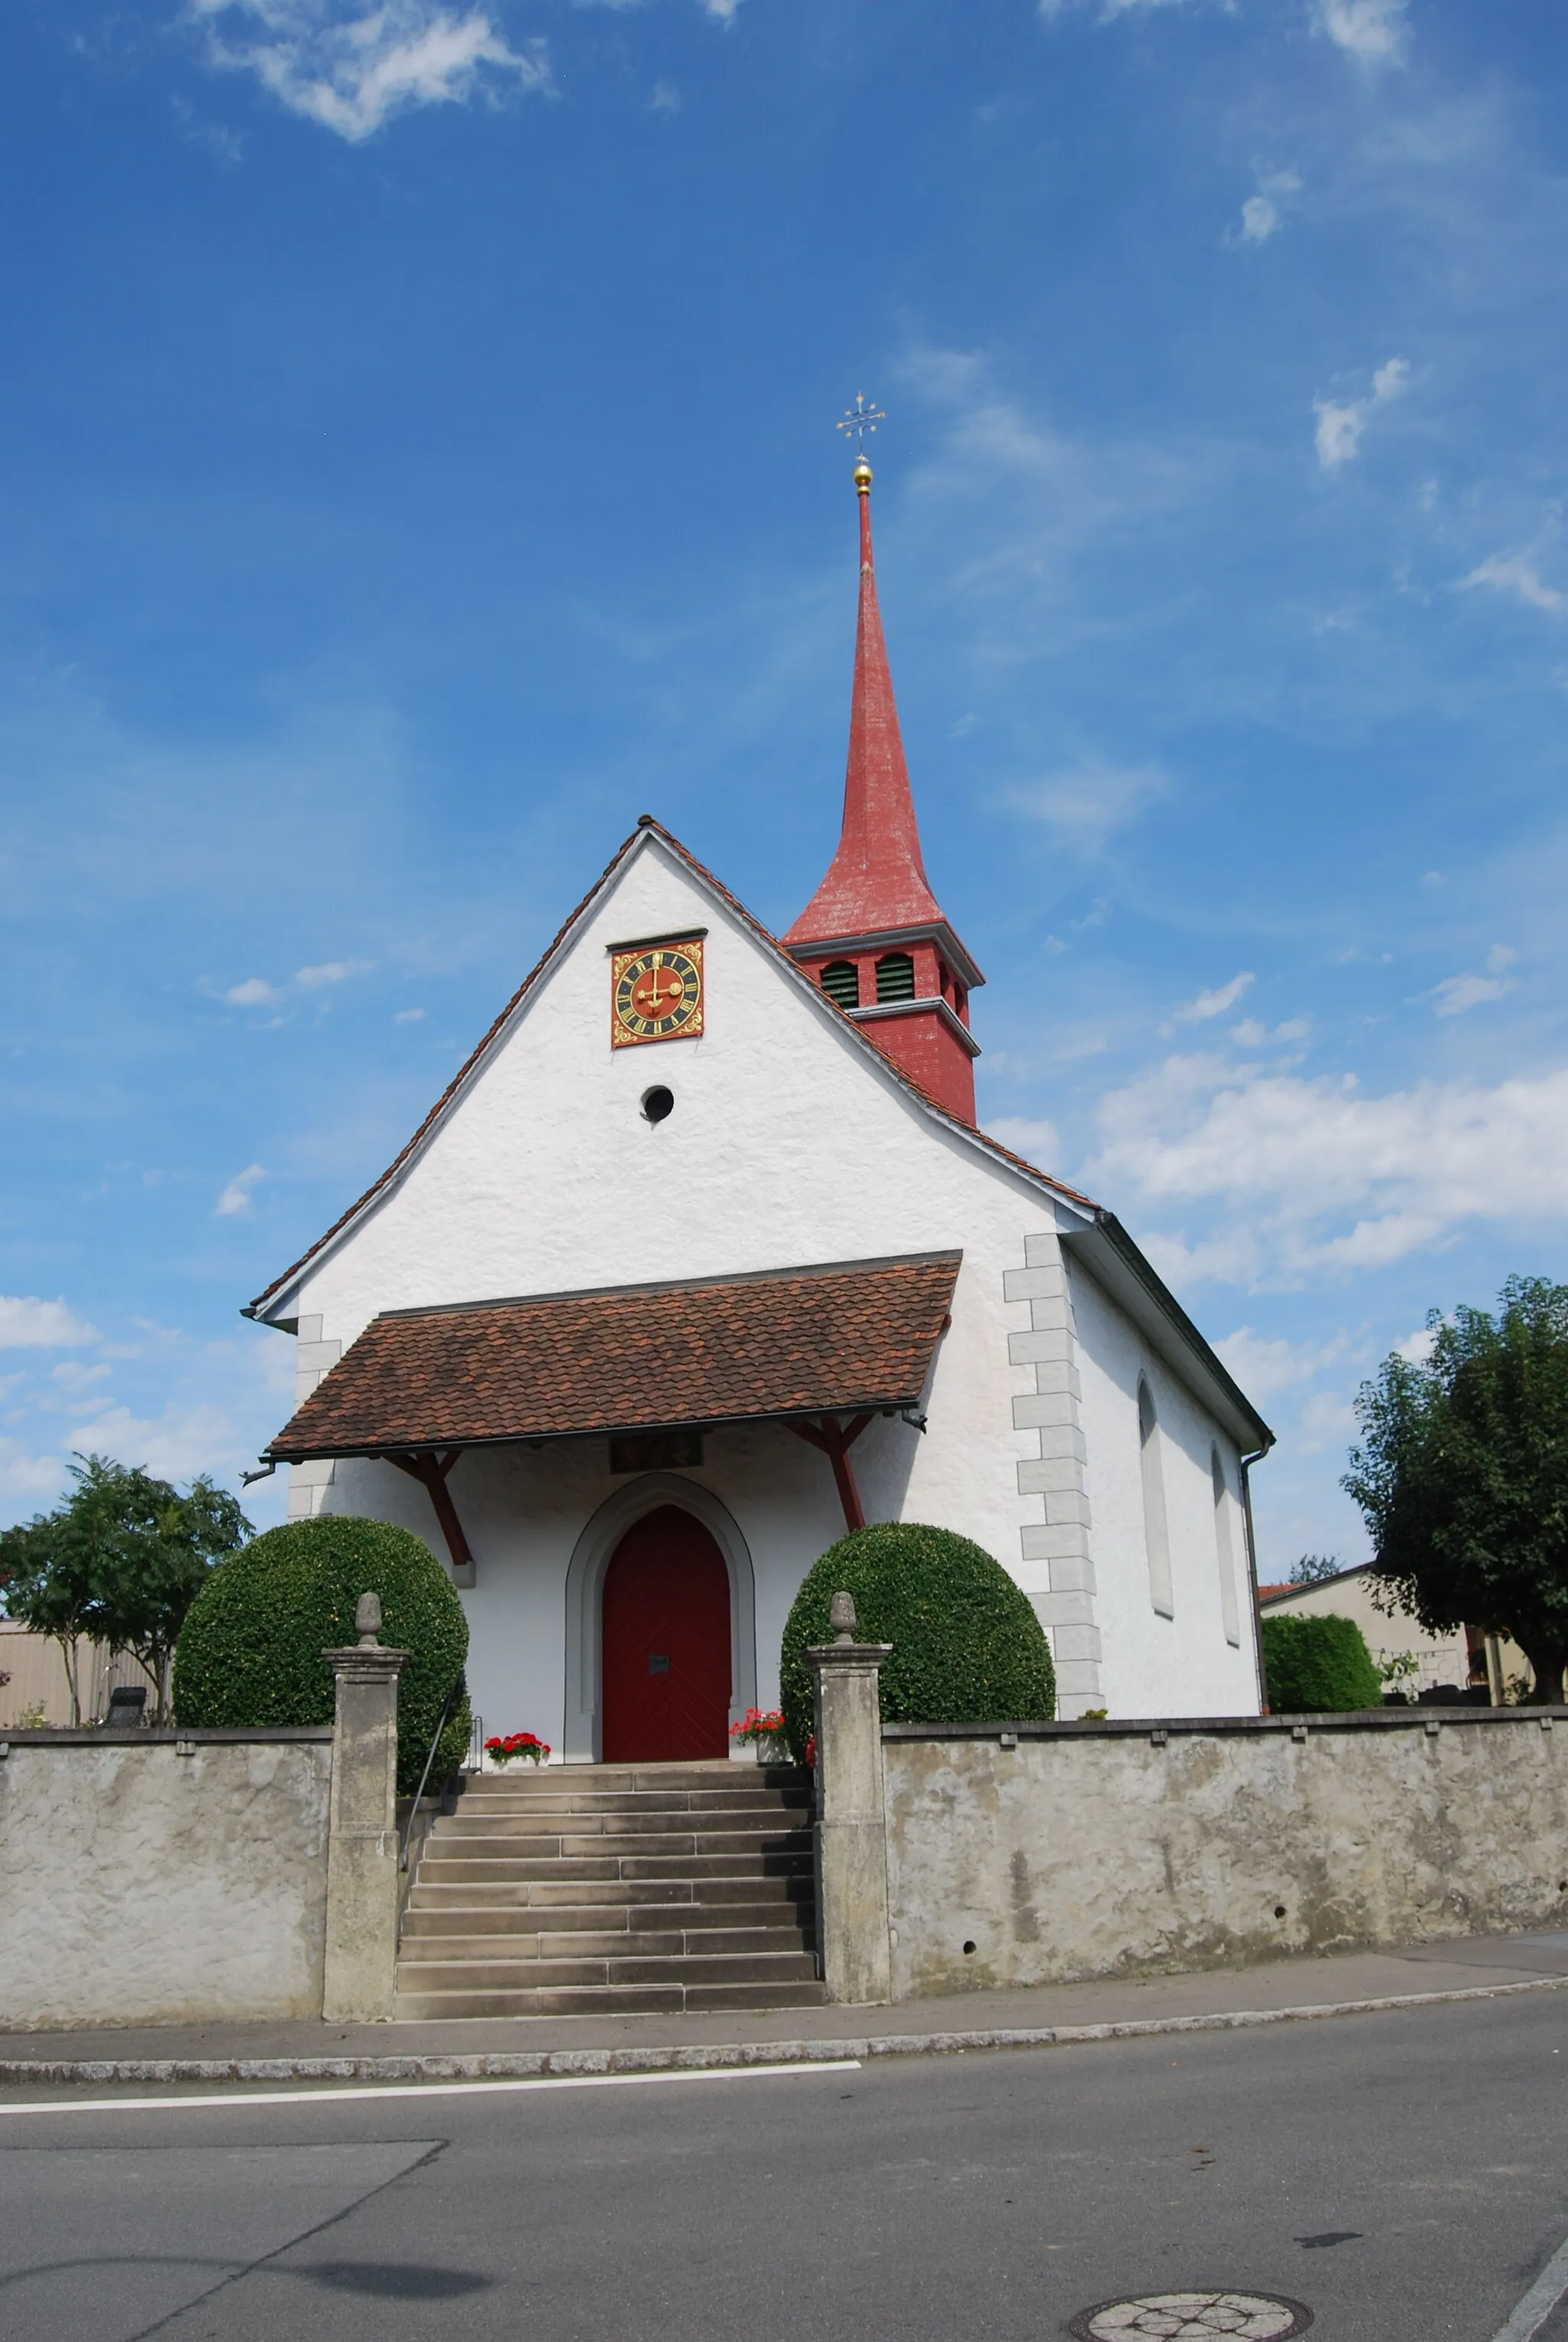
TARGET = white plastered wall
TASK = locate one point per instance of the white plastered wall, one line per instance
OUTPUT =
(1184, 1665)
(787, 1145)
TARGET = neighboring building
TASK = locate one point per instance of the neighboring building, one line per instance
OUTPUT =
(1440, 1659)
(701, 1258)
(34, 1680)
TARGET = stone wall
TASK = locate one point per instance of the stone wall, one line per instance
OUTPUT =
(1114, 1850)
(157, 1879)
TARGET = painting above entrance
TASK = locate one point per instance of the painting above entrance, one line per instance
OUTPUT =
(656, 994)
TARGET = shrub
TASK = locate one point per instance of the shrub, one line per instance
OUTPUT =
(967, 1648)
(250, 1651)
(1318, 1666)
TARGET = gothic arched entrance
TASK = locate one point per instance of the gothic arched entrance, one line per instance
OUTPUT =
(665, 1643)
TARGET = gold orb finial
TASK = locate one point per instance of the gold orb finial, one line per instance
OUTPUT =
(863, 478)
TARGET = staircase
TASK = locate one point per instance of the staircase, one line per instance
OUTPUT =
(587, 1890)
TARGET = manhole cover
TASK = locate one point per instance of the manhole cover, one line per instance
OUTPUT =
(1193, 2317)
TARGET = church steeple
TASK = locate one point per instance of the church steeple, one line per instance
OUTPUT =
(873, 934)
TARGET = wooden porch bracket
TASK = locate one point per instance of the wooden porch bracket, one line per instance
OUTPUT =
(835, 1439)
(430, 1469)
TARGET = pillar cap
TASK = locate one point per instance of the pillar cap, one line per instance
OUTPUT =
(827, 1655)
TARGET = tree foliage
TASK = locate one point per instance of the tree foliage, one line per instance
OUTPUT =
(121, 1561)
(1463, 1475)
(967, 1648)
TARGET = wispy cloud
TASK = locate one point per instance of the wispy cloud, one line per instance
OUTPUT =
(1517, 573)
(352, 71)
(28, 1324)
(1455, 993)
(331, 971)
(1037, 1142)
(1311, 1177)
(1085, 804)
(253, 993)
(1374, 32)
(1264, 210)
(1209, 1004)
(1340, 427)
(236, 1195)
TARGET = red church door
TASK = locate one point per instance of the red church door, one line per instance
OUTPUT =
(665, 1640)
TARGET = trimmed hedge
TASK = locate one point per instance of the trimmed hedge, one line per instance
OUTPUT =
(1318, 1666)
(967, 1648)
(250, 1651)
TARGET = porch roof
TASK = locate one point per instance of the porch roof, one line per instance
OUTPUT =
(775, 1344)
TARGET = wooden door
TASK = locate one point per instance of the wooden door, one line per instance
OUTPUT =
(665, 1643)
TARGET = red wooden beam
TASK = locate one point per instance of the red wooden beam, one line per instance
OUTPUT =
(423, 1465)
(835, 1440)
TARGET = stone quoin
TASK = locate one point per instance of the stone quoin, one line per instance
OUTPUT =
(705, 1229)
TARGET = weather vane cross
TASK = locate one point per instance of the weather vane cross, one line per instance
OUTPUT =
(860, 418)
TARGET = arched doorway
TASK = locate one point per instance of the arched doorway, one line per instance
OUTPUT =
(665, 1643)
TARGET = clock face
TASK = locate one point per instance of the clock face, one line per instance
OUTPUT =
(656, 995)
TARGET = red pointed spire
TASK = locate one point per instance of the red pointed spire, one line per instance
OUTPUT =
(876, 879)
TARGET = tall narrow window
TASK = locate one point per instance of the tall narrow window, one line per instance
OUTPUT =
(895, 977)
(841, 982)
(1225, 1551)
(1156, 1534)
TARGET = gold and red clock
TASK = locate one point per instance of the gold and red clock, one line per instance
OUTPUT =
(656, 993)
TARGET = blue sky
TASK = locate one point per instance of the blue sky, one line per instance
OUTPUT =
(418, 460)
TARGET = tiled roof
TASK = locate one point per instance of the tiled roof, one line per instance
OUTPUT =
(934, 1106)
(793, 1341)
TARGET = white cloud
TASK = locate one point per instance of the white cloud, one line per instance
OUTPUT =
(1037, 1142)
(722, 11)
(175, 1446)
(28, 1324)
(1374, 32)
(1340, 427)
(666, 98)
(1310, 1176)
(1264, 210)
(351, 72)
(1455, 993)
(1265, 1365)
(253, 993)
(408, 1016)
(1515, 573)
(1417, 1347)
(236, 1195)
(1327, 1420)
(331, 971)
(1086, 803)
(1211, 1003)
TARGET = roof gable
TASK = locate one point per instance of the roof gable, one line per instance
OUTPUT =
(650, 836)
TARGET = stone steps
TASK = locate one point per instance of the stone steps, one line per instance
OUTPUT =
(588, 1889)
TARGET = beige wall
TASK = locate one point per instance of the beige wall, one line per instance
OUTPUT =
(145, 1885)
(1444, 1658)
(36, 1667)
(1089, 1850)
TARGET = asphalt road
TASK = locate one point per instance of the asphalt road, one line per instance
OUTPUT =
(1404, 2176)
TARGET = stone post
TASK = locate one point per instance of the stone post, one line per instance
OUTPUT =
(362, 1878)
(851, 1815)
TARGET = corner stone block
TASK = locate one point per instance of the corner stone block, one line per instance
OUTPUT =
(1042, 1251)
(1043, 1410)
(1033, 1284)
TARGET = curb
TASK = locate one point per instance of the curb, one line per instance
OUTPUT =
(700, 2057)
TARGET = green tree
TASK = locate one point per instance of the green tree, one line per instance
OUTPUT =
(122, 1560)
(1313, 1567)
(1463, 1475)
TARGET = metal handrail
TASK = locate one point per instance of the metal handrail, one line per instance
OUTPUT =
(442, 1722)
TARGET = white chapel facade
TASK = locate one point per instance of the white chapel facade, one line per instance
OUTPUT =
(701, 1258)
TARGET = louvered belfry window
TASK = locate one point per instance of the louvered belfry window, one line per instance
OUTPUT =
(895, 977)
(841, 982)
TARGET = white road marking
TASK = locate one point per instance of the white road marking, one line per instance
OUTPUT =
(1542, 2299)
(260, 2095)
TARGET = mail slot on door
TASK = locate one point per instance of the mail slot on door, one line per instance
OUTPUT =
(658, 1663)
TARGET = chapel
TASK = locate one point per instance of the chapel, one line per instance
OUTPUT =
(701, 1259)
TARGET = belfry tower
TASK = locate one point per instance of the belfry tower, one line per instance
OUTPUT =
(873, 934)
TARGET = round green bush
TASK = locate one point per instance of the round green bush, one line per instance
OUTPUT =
(1318, 1666)
(967, 1648)
(250, 1651)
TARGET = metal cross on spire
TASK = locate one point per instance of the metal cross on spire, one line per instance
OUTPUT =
(860, 418)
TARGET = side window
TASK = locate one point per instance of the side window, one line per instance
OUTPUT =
(895, 977)
(1156, 1533)
(1224, 1550)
